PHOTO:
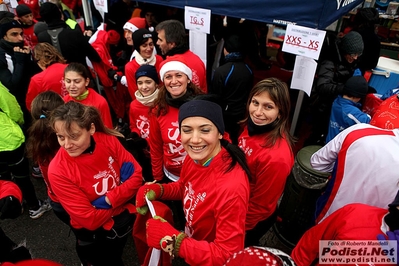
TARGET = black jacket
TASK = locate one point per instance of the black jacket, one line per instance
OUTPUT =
(16, 69)
(74, 46)
(232, 83)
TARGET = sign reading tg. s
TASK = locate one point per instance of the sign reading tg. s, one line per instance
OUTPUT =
(197, 19)
(303, 41)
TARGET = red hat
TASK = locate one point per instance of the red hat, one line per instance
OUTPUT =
(256, 256)
(387, 114)
(176, 63)
(113, 37)
(134, 24)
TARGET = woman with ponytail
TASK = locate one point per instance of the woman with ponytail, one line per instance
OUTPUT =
(213, 186)
(42, 144)
(267, 144)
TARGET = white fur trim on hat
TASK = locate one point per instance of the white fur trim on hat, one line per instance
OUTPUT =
(130, 26)
(176, 66)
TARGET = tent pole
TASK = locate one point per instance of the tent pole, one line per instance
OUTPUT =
(87, 14)
(296, 112)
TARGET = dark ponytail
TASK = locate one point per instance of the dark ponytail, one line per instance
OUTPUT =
(237, 156)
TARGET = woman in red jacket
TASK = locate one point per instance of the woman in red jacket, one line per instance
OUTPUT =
(213, 186)
(147, 93)
(52, 77)
(267, 144)
(167, 152)
(143, 55)
(42, 142)
(77, 80)
(94, 178)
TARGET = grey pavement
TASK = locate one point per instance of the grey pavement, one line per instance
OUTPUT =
(49, 238)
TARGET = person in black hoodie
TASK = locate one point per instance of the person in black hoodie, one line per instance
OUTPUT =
(69, 42)
(232, 83)
(16, 66)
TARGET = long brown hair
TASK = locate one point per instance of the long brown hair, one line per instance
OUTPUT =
(47, 54)
(84, 116)
(279, 94)
(42, 144)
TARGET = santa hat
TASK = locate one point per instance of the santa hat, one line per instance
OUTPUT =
(387, 114)
(134, 24)
(176, 63)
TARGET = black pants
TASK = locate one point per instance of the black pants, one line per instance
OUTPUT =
(102, 247)
(14, 164)
(253, 236)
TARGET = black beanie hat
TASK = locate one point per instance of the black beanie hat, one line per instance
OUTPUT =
(233, 44)
(352, 43)
(139, 37)
(7, 25)
(49, 12)
(356, 86)
(147, 71)
(206, 109)
(23, 10)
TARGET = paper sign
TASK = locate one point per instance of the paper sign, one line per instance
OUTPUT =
(303, 41)
(303, 76)
(101, 5)
(198, 44)
(197, 19)
(13, 3)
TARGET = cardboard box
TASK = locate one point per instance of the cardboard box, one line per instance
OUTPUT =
(386, 75)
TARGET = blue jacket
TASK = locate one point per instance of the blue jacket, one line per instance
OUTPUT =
(344, 113)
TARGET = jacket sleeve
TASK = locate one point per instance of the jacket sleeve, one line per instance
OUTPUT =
(126, 191)
(89, 50)
(130, 73)
(270, 182)
(229, 237)
(325, 158)
(12, 81)
(156, 148)
(132, 119)
(77, 205)
(217, 84)
(327, 87)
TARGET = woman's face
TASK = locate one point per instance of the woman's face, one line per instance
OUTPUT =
(176, 83)
(147, 48)
(200, 138)
(146, 85)
(128, 36)
(262, 110)
(76, 141)
(75, 83)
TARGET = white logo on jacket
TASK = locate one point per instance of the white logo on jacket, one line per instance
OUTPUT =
(107, 179)
(143, 124)
(242, 143)
(190, 203)
(175, 145)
